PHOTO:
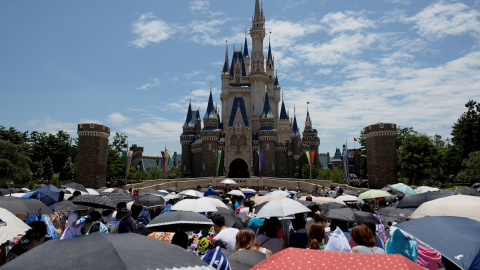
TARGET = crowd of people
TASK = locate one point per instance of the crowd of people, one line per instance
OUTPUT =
(266, 235)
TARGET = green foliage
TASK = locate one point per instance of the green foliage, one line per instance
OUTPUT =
(154, 173)
(415, 157)
(119, 142)
(471, 172)
(68, 171)
(136, 175)
(115, 167)
(336, 176)
(306, 172)
(14, 163)
(466, 131)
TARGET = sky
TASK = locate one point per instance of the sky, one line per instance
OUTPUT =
(130, 65)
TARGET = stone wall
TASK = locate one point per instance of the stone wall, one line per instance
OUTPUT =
(381, 154)
(92, 150)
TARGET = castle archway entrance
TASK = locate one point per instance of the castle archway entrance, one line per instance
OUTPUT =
(238, 169)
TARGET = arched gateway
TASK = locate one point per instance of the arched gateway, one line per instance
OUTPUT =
(238, 169)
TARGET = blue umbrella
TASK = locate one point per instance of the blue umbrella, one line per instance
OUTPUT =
(456, 238)
(50, 195)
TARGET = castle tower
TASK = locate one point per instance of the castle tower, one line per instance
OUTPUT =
(284, 127)
(246, 58)
(187, 137)
(295, 142)
(267, 134)
(381, 154)
(92, 155)
(209, 135)
(310, 139)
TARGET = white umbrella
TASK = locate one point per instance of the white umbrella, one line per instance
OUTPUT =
(424, 189)
(194, 205)
(92, 191)
(10, 226)
(236, 193)
(228, 181)
(279, 192)
(346, 198)
(281, 208)
(213, 201)
(455, 205)
(191, 193)
(260, 199)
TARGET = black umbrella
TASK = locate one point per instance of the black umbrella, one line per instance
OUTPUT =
(332, 205)
(466, 191)
(116, 198)
(66, 206)
(34, 206)
(174, 189)
(306, 203)
(416, 200)
(365, 217)
(150, 200)
(395, 212)
(231, 220)
(349, 215)
(179, 221)
(4, 191)
(243, 259)
(94, 201)
(476, 185)
(108, 251)
(77, 186)
(12, 205)
(216, 197)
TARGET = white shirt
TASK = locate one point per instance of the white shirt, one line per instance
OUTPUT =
(229, 236)
(243, 214)
(72, 219)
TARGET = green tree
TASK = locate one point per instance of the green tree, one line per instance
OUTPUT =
(471, 172)
(14, 164)
(416, 157)
(466, 131)
(48, 169)
(14, 136)
(68, 171)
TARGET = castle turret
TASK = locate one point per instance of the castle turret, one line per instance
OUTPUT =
(310, 140)
(210, 136)
(267, 134)
(284, 127)
(246, 58)
(187, 137)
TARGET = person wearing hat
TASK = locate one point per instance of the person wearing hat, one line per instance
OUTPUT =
(209, 191)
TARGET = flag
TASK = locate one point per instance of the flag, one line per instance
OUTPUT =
(260, 159)
(312, 159)
(219, 158)
(345, 163)
(307, 153)
(127, 156)
(355, 139)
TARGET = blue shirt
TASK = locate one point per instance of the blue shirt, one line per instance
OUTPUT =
(209, 191)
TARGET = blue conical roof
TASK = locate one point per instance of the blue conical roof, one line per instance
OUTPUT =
(269, 57)
(283, 112)
(276, 84)
(245, 48)
(267, 111)
(210, 113)
(295, 131)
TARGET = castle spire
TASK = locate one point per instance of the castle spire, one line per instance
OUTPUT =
(210, 108)
(189, 114)
(308, 122)
(295, 130)
(225, 65)
(276, 84)
(267, 111)
(257, 15)
(245, 47)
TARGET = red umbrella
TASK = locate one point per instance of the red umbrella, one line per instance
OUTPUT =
(299, 258)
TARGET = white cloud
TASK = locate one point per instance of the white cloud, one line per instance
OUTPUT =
(193, 74)
(150, 30)
(199, 5)
(118, 119)
(346, 21)
(205, 32)
(156, 82)
(442, 19)
(51, 126)
(286, 33)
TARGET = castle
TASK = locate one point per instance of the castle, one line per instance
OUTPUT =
(254, 134)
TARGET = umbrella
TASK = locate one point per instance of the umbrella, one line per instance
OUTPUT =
(374, 193)
(306, 203)
(416, 200)
(215, 202)
(149, 200)
(66, 206)
(179, 221)
(249, 192)
(116, 198)
(346, 198)
(457, 205)
(349, 215)
(281, 208)
(10, 225)
(332, 205)
(231, 220)
(267, 198)
(466, 191)
(191, 193)
(424, 189)
(193, 205)
(321, 200)
(395, 212)
(279, 192)
(215, 197)
(118, 191)
(228, 181)
(172, 195)
(243, 259)
(108, 251)
(236, 193)
(299, 258)
(476, 185)
(4, 192)
(456, 238)
(92, 191)
(403, 188)
(50, 194)
(77, 186)
(21, 206)
(151, 192)
(174, 189)
(94, 201)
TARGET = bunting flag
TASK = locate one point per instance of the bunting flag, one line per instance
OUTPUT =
(307, 153)
(260, 160)
(127, 157)
(219, 158)
(312, 159)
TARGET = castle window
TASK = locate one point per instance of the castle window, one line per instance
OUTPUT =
(209, 147)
